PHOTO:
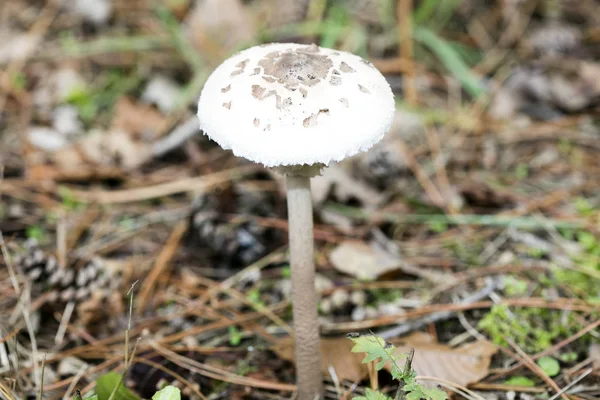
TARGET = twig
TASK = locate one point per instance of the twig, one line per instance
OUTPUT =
(405, 8)
(536, 369)
(176, 138)
(41, 394)
(462, 390)
(455, 219)
(9, 265)
(570, 385)
(406, 327)
(161, 264)
(591, 327)
(64, 322)
(166, 189)
(74, 382)
(535, 302)
(400, 394)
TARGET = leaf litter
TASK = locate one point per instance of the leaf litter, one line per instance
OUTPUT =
(472, 229)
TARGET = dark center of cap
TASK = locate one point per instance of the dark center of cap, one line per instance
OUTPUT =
(297, 67)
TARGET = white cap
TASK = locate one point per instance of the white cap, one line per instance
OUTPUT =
(290, 104)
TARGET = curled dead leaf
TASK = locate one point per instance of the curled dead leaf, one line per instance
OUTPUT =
(462, 365)
(139, 120)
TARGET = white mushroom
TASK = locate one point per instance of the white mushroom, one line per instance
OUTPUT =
(297, 107)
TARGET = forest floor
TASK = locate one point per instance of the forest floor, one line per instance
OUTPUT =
(131, 243)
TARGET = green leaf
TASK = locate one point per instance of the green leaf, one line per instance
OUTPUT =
(373, 395)
(167, 393)
(520, 381)
(106, 384)
(92, 397)
(235, 336)
(377, 349)
(416, 391)
(550, 365)
(451, 60)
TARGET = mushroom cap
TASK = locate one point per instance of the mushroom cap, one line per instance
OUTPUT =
(291, 104)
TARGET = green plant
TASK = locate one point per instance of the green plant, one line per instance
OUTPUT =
(235, 336)
(91, 100)
(383, 353)
(519, 381)
(36, 232)
(549, 365)
(533, 329)
(111, 382)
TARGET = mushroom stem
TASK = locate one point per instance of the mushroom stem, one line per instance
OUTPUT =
(304, 296)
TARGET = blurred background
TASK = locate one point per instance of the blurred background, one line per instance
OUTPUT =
(471, 232)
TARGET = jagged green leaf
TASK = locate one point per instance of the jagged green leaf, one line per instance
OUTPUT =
(107, 383)
(167, 393)
(416, 391)
(377, 349)
(373, 395)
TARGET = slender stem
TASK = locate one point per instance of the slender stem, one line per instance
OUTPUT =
(304, 296)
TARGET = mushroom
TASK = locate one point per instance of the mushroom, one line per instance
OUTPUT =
(297, 108)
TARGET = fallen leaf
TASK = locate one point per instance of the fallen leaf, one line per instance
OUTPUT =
(97, 154)
(336, 353)
(163, 92)
(46, 139)
(378, 258)
(336, 181)
(211, 30)
(463, 365)
(361, 260)
(113, 148)
(139, 120)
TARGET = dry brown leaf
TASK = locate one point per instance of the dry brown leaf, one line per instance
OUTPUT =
(335, 353)
(462, 365)
(378, 259)
(362, 261)
(113, 148)
(343, 186)
(213, 30)
(139, 120)
(97, 154)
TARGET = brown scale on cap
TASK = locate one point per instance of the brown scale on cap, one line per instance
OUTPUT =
(241, 67)
(256, 122)
(312, 120)
(227, 105)
(256, 71)
(260, 93)
(344, 67)
(345, 102)
(363, 89)
(297, 67)
(226, 89)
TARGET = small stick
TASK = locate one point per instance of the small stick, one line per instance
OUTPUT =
(400, 395)
(404, 11)
(41, 395)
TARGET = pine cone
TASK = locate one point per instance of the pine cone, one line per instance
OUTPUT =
(234, 243)
(70, 283)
